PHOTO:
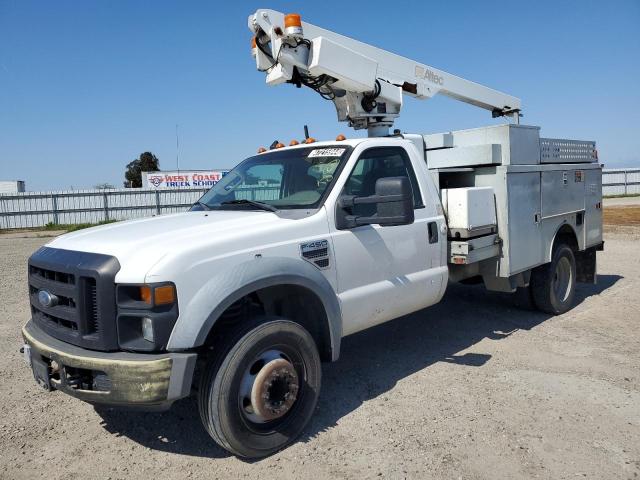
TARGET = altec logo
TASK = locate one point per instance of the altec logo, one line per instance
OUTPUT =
(426, 74)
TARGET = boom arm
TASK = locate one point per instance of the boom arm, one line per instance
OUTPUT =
(365, 83)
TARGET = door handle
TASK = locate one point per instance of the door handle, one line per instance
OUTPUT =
(433, 232)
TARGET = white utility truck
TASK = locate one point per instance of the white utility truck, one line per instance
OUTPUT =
(240, 299)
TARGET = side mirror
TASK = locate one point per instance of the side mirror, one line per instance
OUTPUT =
(394, 205)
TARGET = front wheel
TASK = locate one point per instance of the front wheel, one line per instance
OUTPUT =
(553, 285)
(259, 391)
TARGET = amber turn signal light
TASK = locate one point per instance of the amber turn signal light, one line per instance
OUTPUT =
(340, 138)
(146, 295)
(162, 295)
(165, 295)
(293, 142)
(310, 140)
(262, 150)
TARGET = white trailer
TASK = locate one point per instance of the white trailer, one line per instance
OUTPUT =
(240, 299)
(11, 186)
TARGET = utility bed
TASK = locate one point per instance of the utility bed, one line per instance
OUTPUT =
(538, 186)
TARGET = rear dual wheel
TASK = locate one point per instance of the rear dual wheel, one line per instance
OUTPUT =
(260, 388)
(553, 285)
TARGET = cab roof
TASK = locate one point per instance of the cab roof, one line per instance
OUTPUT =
(350, 142)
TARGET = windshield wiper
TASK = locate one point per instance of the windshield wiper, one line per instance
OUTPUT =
(203, 205)
(244, 201)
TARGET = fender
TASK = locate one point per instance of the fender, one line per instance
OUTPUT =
(564, 223)
(222, 290)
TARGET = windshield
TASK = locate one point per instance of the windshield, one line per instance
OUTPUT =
(291, 178)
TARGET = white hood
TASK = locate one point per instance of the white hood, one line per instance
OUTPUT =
(139, 244)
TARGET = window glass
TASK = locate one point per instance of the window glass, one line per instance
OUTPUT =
(378, 163)
(288, 178)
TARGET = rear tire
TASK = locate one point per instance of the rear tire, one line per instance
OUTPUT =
(553, 285)
(260, 388)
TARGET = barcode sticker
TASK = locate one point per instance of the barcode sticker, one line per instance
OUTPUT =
(326, 152)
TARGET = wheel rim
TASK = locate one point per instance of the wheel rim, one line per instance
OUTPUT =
(269, 387)
(562, 279)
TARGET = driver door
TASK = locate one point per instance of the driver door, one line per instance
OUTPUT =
(384, 272)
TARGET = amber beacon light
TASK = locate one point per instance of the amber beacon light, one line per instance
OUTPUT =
(292, 24)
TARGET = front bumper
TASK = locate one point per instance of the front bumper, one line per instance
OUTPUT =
(118, 378)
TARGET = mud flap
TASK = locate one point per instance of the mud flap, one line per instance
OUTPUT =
(586, 266)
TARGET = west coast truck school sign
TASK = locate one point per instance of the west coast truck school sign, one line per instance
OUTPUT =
(182, 178)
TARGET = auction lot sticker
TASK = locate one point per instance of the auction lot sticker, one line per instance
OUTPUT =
(326, 152)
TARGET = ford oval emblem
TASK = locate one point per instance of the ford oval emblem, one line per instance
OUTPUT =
(47, 299)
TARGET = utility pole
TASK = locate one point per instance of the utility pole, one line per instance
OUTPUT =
(177, 150)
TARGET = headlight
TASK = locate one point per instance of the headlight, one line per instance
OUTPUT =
(146, 315)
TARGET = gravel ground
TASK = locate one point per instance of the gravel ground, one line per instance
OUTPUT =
(478, 386)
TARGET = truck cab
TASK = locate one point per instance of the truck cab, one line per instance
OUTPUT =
(123, 313)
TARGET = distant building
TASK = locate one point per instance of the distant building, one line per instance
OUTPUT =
(11, 186)
(182, 178)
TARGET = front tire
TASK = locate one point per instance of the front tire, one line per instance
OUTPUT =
(260, 388)
(553, 285)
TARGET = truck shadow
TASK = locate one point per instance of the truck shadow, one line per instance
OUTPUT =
(371, 363)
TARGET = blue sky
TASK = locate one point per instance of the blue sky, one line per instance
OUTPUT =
(86, 86)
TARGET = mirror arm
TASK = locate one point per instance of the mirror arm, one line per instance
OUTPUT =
(347, 201)
(377, 199)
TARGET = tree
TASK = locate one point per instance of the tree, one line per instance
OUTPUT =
(147, 162)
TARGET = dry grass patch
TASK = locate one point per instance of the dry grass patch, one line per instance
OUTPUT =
(622, 215)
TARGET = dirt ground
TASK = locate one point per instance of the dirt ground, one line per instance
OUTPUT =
(478, 386)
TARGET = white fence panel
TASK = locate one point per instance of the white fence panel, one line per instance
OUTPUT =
(36, 209)
(621, 181)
